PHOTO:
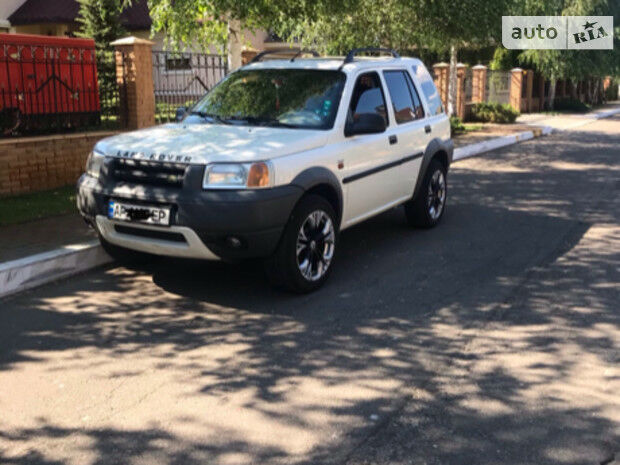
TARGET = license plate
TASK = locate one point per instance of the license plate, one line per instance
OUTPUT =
(138, 213)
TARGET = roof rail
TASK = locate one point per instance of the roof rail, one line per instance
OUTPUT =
(351, 55)
(297, 52)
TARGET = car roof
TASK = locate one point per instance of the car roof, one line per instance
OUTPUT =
(334, 63)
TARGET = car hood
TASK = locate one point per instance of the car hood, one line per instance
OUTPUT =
(206, 143)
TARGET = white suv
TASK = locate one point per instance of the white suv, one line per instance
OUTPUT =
(274, 162)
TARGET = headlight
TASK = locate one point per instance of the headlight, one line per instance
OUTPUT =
(238, 175)
(94, 163)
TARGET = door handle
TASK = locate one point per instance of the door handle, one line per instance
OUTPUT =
(427, 128)
(393, 139)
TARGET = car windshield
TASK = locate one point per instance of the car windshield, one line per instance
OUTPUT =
(293, 98)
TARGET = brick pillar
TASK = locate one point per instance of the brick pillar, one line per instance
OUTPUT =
(247, 56)
(516, 88)
(134, 73)
(442, 74)
(461, 72)
(529, 87)
(479, 84)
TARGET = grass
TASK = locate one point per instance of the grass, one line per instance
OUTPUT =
(470, 127)
(27, 207)
(458, 127)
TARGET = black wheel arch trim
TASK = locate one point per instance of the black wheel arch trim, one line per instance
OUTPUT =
(433, 148)
(315, 176)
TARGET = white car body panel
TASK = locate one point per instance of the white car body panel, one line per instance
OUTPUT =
(209, 143)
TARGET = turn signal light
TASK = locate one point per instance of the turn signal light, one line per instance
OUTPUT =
(258, 175)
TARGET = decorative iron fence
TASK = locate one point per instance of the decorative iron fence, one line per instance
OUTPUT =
(469, 85)
(56, 87)
(180, 79)
(113, 109)
(498, 86)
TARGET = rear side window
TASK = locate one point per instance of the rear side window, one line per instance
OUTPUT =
(406, 108)
(428, 89)
(367, 97)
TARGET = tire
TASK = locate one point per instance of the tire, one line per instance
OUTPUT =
(427, 209)
(307, 270)
(126, 257)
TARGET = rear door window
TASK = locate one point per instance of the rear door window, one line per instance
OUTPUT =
(402, 94)
(428, 89)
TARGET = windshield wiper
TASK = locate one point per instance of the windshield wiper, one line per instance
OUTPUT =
(258, 121)
(216, 118)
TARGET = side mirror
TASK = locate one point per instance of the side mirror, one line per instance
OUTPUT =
(180, 114)
(366, 123)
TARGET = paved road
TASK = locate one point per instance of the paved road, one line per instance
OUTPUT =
(491, 339)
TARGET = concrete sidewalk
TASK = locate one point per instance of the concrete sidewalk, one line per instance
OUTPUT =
(41, 251)
(34, 237)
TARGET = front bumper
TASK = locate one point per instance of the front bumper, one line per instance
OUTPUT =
(203, 222)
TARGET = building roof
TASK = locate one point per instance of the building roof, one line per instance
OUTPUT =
(135, 17)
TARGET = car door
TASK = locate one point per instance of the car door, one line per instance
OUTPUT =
(412, 132)
(367, 171)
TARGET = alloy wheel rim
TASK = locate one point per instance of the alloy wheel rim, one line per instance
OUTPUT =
(315, 245)
(436, 195)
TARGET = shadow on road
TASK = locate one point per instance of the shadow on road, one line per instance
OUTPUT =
(496, 327)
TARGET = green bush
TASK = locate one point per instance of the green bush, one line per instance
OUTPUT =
(570, 105)
(456, 125)
(493, 113)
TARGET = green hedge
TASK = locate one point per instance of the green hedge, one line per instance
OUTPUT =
(493, 113)
(456, 125)
(570, 104)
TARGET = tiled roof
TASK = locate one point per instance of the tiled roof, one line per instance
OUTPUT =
(65, 11)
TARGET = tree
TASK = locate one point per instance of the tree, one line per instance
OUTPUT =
(405, 24)
(100, 20)
(450, 26)
(576, 65)
(220, 23)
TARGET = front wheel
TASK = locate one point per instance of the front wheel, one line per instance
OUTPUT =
(429, 205)
(303, 260)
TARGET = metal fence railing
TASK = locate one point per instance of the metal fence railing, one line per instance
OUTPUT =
(469, 85)
(111, 88)
(498, 86)
(182, 78)
(47, 88)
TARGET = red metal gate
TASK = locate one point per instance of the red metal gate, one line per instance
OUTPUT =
(47, 83)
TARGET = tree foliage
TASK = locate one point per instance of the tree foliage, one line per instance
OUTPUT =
(576, 65)
(204, 23)
(100, 20)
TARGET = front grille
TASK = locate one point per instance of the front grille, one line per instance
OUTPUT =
(148, 172)
(150, 233)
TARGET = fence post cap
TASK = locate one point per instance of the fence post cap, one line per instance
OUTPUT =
(479, 67)
(461, 65)
(132, 40)
(440, 65)
(516, 70)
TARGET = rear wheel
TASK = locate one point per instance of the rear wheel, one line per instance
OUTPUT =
(428, 207)
(303, 260)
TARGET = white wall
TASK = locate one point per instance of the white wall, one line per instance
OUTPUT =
(7, 7)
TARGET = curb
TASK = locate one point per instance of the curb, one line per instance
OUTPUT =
(35, 270)
(492, 144)
(538, 131)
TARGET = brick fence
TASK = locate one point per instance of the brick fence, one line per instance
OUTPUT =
(30, 164)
